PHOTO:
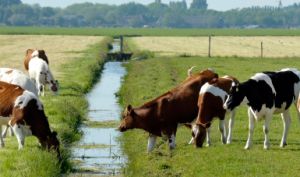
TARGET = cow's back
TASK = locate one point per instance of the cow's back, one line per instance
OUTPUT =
(180, 105)
(17, 77)
(28, 56)
(8, 95)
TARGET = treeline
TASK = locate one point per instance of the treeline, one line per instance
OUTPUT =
(156, 14)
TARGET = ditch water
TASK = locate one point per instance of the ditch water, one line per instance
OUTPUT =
(99, 152)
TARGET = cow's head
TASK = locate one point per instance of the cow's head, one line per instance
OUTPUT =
(199, 133)
(128, 119)
(53, 84)
(51, 142)
(236, 96)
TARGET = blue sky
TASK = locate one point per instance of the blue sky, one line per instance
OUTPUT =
(212, 4)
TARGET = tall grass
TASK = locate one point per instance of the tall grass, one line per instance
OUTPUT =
(147, 79)
(148, 31)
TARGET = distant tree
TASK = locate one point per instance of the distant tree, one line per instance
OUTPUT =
(178, 5)
(5, 3)
(158, 1)
(199, 4)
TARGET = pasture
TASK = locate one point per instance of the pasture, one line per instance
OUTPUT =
(68, 57)
(221, 46)
(147, 31)
(152, 77)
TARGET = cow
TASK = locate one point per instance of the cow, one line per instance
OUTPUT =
(24, 112)
(29, 53)
(40, 73)
(267, 93)
(16, 77)
(212, 96)
(161, 116)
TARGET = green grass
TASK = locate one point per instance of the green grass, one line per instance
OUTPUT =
(102, 124)
(147, 31)
(147, 79)
(65, 113)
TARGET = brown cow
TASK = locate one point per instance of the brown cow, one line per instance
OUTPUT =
(162, 115)
(210, 102)
(30, 53)
(23, 111)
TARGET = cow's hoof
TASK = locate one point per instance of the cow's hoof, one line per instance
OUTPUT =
(282, 145)
(2, 145)
(228, 142)
(208, 145)
(247, 147)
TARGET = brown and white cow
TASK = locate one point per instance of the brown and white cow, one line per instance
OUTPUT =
(28, 56)
(212, 96)
(36, 62)
(23, 111)
(161, 116)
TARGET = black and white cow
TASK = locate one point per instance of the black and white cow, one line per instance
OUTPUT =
(267, 93)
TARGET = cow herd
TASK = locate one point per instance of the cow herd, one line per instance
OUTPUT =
(204, 95)
(20, 107)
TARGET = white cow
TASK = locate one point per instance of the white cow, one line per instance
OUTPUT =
(40, 73)
(17, 77)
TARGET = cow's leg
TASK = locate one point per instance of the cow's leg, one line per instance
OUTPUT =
(171, 132)
(222, 129)
(1, 139)
(19, 135)
(151, 142)
(230, 126)
(4, 132)
(251, 129)
(266, 130)
(208, 141)
(11, 131)
(286, 119)
(172, 143)
(191, 141)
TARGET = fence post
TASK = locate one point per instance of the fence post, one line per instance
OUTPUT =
(209, 46)
(121, 44)
(261, 49)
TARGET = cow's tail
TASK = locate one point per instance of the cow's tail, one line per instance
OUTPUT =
(189, 71)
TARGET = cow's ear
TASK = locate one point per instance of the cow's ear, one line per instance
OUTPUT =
(207, 125)
(29, 51)
(188, 125)
(128, 109)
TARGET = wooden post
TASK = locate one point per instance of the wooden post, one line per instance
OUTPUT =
(209, 46)
(121, 44)
(261, 49)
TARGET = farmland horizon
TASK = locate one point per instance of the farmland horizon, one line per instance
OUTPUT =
(212, 4)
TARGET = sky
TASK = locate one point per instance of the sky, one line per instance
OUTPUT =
(220, 5)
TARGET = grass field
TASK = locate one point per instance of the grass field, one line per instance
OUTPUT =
(243, 46)
(69, 57)
(149, 78)
(148, 31)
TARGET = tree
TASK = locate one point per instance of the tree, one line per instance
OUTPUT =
(199, 4)
(5, 3)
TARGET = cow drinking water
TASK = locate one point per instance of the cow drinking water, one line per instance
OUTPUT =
(162, 115)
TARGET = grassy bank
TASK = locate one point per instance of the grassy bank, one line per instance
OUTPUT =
(65, 112)
(147, 79)
(148, 31)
